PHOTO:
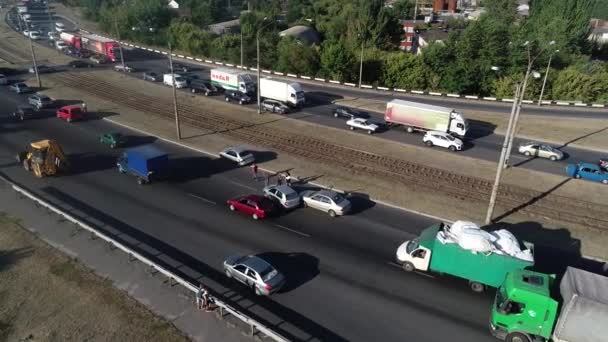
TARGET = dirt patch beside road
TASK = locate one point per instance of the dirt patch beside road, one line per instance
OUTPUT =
(558, 130)
(47, 296)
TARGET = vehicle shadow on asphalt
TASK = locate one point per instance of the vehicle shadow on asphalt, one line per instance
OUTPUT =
(320, 98)
(282, 319)
(8, 258)
(479, 129)
(554, 249)
(90, 162)
(298, 268)
(137, 140)
(529, 159)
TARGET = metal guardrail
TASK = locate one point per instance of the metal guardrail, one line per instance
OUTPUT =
(253, 324)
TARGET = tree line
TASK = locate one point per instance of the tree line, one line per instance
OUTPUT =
(486, 57)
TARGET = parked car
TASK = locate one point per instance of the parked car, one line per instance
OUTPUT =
(99, 59)
(80, 64)
(26, 33)
(123, 68)
(588, 171)
(533, 149)
(70, 113)
(442, 139)
(3, 79)
(61, 45)
(254, 272)
(346, 112)
(177, 67)
(151, 76)
(361, 123)
(23, 112)
(42, 69)
(113, 139)
(329, 201)
(274, 107)
(603, 162)
(40, 101)
(35, 35)
(259, 207)
(20, 88)
(201, 86)
(237, 96)
(287, 197)
(238, 154)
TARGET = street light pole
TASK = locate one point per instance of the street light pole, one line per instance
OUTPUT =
(257, 41)
(175, 109)
(241, 46)
(501, 161)
(361, 66)
(34, 64)
(542, 90)
(122, 57)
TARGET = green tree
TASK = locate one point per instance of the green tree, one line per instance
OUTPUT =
(587, 83)
(337, 61)
(403, 70)
(294, 57)
(404, 9)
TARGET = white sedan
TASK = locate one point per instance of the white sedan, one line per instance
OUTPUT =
(442, 139)
(238, 154)
(361, 123)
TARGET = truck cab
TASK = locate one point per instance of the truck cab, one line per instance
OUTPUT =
(458, 124)
(412, 256)
(523, 309)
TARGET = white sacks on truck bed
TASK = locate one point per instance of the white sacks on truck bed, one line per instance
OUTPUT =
(469, 236)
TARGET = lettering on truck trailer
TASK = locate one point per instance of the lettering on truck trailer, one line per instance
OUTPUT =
(223, 78)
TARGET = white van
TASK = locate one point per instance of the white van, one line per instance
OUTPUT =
(180, 81)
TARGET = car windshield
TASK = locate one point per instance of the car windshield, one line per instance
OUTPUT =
(411, 246)
(268, 273)
(179, 78)
(449, 137)
(291, 195)
(337, 198)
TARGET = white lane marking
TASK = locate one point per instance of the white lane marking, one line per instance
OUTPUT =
(202, 198)
(394, 264)
(242, 185)
(292, 230)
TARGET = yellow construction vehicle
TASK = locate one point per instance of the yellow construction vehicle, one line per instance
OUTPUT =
(43, 158)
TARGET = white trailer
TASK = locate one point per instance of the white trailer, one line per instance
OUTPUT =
(232, 80)
(416, 116)
(289, 93)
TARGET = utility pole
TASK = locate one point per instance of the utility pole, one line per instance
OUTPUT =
(175, 110)
(511, 134)
(501, 161)
(257, 40)
(34, 65)
(361, 66)
(122, 57)
(241, 46)
(415, 10)
(542, 90)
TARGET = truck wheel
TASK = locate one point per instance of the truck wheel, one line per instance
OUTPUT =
(517, 337)
(477, 287)
(408, 266)
(26, 165)
(409, 129)
(429, 143)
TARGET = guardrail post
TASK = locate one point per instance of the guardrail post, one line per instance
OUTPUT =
(152, 270)
(220, 313)
(112, 246)
(252, 331)
(93, 236)
(131, 257)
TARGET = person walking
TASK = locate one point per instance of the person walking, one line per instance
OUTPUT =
(199, 297)
(254, 170)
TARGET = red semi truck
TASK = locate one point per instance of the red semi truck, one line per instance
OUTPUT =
(71, 39)
(100, 45)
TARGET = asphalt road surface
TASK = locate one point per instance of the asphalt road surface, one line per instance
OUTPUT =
(341, 284)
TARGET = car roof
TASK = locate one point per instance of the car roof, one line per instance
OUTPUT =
(237, 149)
(328, 193)
(284, 188)
(589, 165)
(256, 263)
(438, 133)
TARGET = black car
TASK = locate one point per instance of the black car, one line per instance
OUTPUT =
(237, 96)
(72, 51)
(349, 113)
(80, 64)
(179, 67)
(151, 76)
(201, 86)
(274, 107)
(24, 112)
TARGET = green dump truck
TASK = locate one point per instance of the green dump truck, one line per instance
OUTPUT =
(482, 269)
(525, 311)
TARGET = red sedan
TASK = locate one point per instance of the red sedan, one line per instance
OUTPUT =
(257, 206)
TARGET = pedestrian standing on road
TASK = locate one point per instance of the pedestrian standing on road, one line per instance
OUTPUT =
(254, 170)
(206, 302)
(84, 107)
(199, 297)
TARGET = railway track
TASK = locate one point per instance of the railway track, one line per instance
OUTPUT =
(419, 177)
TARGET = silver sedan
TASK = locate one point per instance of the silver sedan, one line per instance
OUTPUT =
(329, 201)
(533, 149)
(254, 272)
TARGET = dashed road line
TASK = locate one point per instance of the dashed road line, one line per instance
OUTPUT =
(292, 230)
(202, 199)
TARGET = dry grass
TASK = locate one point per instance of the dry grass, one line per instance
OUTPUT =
(46, 296)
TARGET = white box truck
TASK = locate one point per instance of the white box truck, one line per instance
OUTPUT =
(180, 81)
(232, 80)
(289, 93)
(423, 117)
